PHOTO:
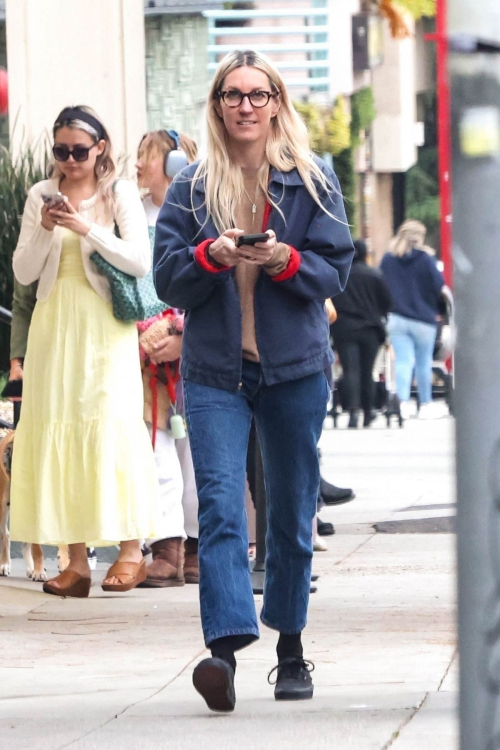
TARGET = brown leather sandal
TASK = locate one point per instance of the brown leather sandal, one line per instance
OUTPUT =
(69, 583)
(128, 573)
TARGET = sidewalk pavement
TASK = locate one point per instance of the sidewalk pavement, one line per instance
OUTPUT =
(114, 672)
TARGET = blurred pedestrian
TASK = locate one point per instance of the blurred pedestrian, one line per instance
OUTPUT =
(358, 333)
(83, 467)
(415, 284)
(161, 154)
(255, 343)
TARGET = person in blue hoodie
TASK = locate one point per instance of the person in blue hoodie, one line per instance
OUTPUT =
(256, 343)
(415, 284)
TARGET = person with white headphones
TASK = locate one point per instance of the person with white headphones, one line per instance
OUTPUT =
(161, 155)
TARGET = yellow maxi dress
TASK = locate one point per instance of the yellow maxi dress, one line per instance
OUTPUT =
(83, 466)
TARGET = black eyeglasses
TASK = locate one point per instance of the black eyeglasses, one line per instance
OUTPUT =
(79, 153)
(234, 97)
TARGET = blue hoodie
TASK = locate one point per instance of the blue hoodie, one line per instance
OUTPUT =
(290, 320)
(415, 284)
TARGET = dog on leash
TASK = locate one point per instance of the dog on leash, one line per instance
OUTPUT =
(32, 553)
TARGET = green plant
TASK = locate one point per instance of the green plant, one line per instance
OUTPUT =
(422, 193)
(312, 116)
(16, 177)
(337, 132)
(330, 131)
(363, 112)
(344, 169)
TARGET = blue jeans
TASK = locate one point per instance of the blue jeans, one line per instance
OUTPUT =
(413, 343)
(289, 418)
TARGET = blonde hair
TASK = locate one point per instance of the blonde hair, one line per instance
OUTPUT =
(287, 147)
(105, 165)
(162, 144)
(409, 235)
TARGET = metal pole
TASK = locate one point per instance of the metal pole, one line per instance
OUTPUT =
(443, 135)
(475, 80)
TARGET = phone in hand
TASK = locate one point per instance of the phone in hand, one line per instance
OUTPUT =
(55, 200)
(251, 239)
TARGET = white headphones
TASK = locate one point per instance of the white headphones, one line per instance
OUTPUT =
(177, 159)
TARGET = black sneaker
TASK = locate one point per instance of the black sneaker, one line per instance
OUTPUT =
(325, 528)
(293, 679)
(332, 495)
(214, 680)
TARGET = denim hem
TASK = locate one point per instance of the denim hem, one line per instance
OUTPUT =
(285, 631)
(209, 637)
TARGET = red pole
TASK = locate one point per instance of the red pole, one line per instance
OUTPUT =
(444, 135)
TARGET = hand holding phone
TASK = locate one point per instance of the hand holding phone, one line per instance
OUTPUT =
(257, 249)
(55, 200)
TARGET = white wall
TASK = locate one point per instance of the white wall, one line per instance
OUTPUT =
(77, 52)
(340, 33)
(394, 88)
(481, 19)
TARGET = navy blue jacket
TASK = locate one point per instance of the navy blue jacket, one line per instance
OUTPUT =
(415, 284)
(290, 319)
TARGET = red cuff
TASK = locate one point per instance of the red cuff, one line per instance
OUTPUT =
(202, 257)
(292, 267)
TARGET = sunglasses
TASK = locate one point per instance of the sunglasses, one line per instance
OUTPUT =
(79, 153)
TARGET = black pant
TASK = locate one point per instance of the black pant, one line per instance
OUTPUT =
(357, 353)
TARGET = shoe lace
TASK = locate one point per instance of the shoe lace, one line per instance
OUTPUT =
(290, 667)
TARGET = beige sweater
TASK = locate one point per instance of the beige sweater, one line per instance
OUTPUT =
(247, 275)
(38, 250)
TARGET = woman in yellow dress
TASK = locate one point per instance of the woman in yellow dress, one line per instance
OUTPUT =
(84, 469)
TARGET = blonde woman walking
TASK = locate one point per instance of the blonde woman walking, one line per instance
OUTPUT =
(415, 284)
(161, 154)
(83, 469)
(255, 344)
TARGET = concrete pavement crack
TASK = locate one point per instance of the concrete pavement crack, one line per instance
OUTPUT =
(136, 703)
(396, 735)
(353, 552)
(455, 653)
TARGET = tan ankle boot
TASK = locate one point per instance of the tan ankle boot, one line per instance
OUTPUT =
(191, 569)
(167, 568)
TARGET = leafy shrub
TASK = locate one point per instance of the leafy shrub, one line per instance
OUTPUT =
(16, 178)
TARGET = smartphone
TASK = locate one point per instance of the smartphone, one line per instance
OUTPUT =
(251, 239)
(55, 200)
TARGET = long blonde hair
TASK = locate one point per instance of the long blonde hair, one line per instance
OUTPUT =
(105, 166)
(287, 147)
(411, 234)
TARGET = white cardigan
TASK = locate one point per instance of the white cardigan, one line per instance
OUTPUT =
(38, 250)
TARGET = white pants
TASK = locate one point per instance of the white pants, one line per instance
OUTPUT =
(190, 495)
(175, 471)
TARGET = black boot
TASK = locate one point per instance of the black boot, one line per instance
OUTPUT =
(332, 495)
(353, 419)
(368, 417)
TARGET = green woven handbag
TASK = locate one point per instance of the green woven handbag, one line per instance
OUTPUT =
(132, 299)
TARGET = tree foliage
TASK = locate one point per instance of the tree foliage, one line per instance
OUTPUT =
(328, 127)
(419, 8)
